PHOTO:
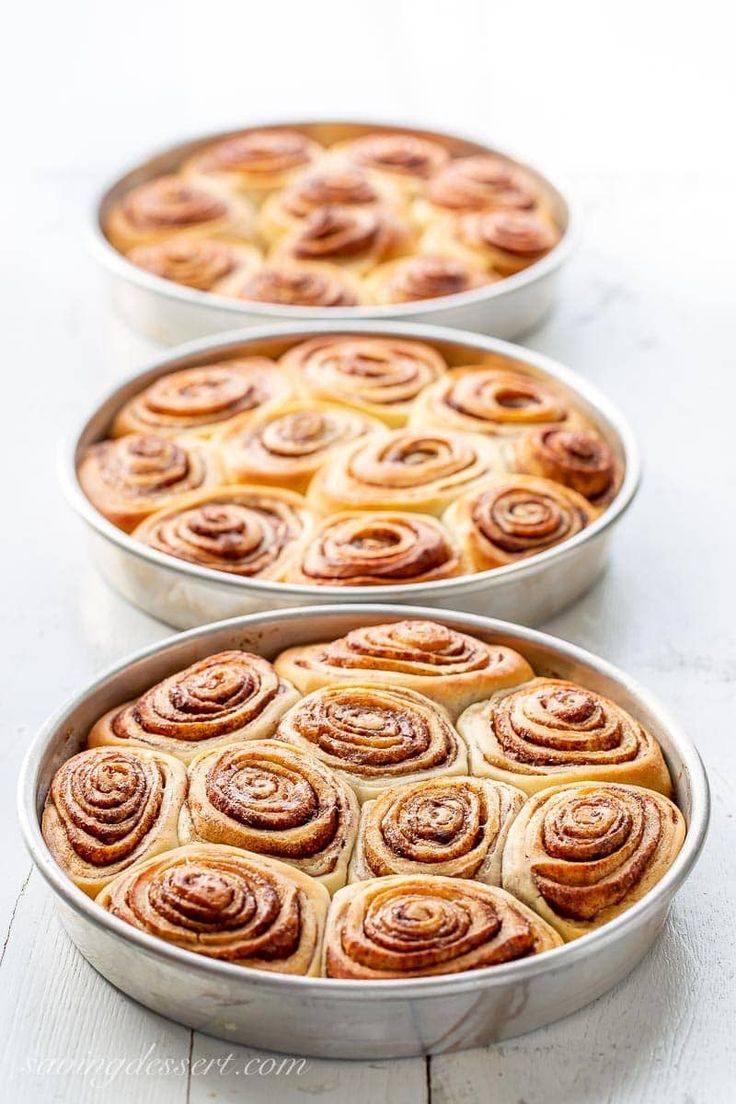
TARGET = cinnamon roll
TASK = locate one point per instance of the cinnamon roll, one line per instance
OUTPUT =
(447, 827)
(379, 375)
(277, 800)
(377, 549)
(405, 470)
(512, 517)
(357, 238)
(407, 160)
(158, 209)
(499, 241)
(326, 185)
(249, 531)
(480, 182)
(256, 162)
(109, 808)
(420, 926)
(197, 400)
(131, 478)
(551, 731)
(578, 457)
(205, 264)
(286, 448)
(446, 666)
(581, 854)
(302, 284)
(227, 904)
(412, 279)
(375, 736)
(491, 398)
(224, 699)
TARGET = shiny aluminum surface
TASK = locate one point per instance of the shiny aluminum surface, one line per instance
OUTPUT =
(168, 312)
(349, 1019)
(184, 595)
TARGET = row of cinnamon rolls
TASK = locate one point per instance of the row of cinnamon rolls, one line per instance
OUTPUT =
(274, 216)
(354, 460)
(461, 810)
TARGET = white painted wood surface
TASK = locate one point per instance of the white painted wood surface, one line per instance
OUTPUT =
(631, 102)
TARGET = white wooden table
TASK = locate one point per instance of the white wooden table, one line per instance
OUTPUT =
(631, 103)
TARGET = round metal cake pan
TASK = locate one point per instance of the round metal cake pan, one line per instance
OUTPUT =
(184, 595)
(332, 1018)
(169, 313)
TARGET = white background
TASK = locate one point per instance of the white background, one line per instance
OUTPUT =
(634, 103)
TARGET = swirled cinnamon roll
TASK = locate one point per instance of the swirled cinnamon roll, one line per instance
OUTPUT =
(301, 284)
(375, 736)
(205, 264)
(447, 666)
(158, 209)
(249, 531)
(109, 808)
(224, 699)
(197, 400)
(227, 904)
(578, 457)
(256, 162)
(581, 854)
(131, 478)
(447, 827)
(357, 238)
(377, 549)
(412, 279)
(405, 470)
(327, 185)
(407, 160)
(499, 241)
(419, 926)
(512, 517)
(379, 375)
(491, 399)
(550, 731)
(277, 800)
(480, 182)
(286, 448)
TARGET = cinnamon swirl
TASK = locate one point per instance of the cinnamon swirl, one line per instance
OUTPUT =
(420, 926)
(109, 808)
(578, 457)
(375, 736)
(447, 666)
(205, 264)
(551, 731)
(379, 375)
(249, 531)
(407, 160)
(301, 284)
(412, 279)
(131, 478)
(581, 854)
(500, 241)
(447, 827)
(357, 238)
(227, 904)
(256, 162)
(224, 699)
(480, 182)
(277, 800)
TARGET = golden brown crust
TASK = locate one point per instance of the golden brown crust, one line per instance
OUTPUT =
(109, 808)
(446, 827)
(406, 159)
(357, 238)
(250, 531)
(227, 904)
(512, 517)
(412, 279)
(131, 478)
(277, 800)
(327, 185)
(299, 284)
(199, 400)
(581, 854)
(420, 926)
(578, 457)
(379, 375)
(205, 264)
(256, 162)
(377, 549)
(224, 699)
(481, 182)
(501, 241)
(449, 667)
(552, 731)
